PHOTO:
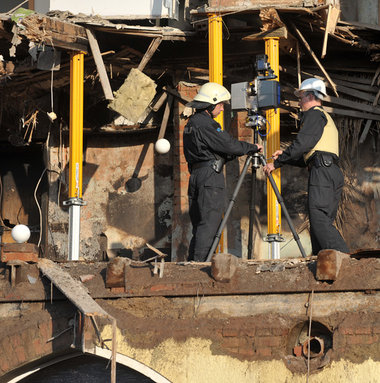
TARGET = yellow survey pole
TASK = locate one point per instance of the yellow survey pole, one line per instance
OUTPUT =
(273, 144)
(215, 57)
(215, 53)
(76, 153)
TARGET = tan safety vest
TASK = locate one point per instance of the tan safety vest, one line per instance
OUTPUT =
(329, 142)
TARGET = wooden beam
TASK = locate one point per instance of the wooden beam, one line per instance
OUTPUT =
(224, 6)
(182, 99)
(352, 104)
(71, 288)
(340, 112)
(307, 46)
(375, 76)
(149, 53)
(157, 104)
(365, 131)
(299, 79)
(165, 118)
(332, 19)
(281, 32)
(100, 65)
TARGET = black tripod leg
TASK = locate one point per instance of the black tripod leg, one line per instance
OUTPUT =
(251, 212)
(229, 208)
(284, 209)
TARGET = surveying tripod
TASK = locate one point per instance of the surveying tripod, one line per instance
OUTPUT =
(254, 159)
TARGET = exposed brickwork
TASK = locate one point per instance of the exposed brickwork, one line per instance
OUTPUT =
(27, 338)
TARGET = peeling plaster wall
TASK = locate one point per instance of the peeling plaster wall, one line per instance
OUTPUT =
(115, 220)
(248, 339)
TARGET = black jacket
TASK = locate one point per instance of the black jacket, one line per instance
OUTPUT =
(312, 124)
(204, 140)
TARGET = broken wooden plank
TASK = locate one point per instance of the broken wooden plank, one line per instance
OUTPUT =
(352, 104)
(349, 85)
(100, 65)
(165, 118)
(375, 76)
(352, 113)
(365, 131)
(157, 104)
(299, 79)
(149, 53)
(281, 32)
(376, 100)
(332, 19)
(307, 46)
(72, 289)
(182, 99)
(338, 111)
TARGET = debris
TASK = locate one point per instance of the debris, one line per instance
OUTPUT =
(86, 278)
(328, 264)
(99, 64)
(134, 96)
(223, 267)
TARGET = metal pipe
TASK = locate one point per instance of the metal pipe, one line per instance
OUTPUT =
(273, 144)
(315, 345)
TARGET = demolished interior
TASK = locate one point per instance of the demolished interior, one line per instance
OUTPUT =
(139, 74)
(130, 190)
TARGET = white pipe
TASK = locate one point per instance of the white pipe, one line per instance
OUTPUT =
(74, 232)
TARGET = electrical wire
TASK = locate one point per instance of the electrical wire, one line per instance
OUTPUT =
(38, 205)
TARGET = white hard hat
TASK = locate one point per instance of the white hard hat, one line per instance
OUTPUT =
(312, 85)
(212, 93)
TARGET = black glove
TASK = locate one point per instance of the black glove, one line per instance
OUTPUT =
(253, 151)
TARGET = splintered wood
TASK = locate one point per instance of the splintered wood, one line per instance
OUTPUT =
(72, 289)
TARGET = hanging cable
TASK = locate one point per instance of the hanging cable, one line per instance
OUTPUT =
(38, 205)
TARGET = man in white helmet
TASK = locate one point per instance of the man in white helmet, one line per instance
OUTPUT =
(207, 147)
(317, 147)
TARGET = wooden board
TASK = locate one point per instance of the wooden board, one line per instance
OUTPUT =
(71, 288)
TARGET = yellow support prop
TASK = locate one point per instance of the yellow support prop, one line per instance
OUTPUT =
(215, 54)
(273, 141)
(76, 125)
(215, 57)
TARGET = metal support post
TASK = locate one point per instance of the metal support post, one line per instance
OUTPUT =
(76, 153)
(215, 53)
(273, 143)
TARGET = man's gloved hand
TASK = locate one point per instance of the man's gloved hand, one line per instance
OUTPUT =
(259, 149)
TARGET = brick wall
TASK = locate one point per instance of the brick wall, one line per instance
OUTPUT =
(26, 339)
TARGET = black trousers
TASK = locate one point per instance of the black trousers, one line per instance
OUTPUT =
(325, 189)
(206, 206)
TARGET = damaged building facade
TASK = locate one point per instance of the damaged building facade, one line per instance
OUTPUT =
(141, 66)
(135, 195)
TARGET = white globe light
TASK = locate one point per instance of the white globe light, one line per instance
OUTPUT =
(20, 233)
(162, 146)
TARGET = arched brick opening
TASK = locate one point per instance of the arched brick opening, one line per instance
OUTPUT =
(98, 352)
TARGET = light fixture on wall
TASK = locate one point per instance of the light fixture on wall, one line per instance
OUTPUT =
(20, 233)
